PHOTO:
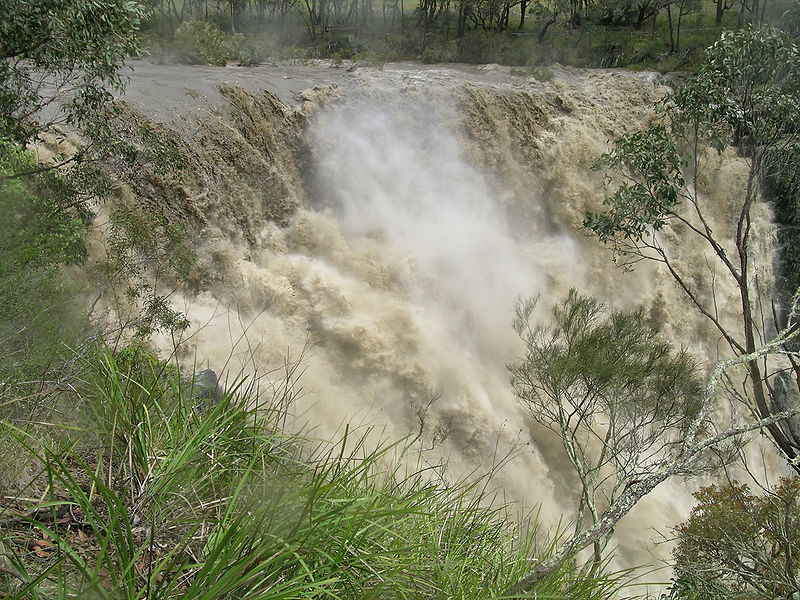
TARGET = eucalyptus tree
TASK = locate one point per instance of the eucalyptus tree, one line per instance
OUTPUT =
(547, 13)
(620, 12)
(790, 20)
(693, 432)
(234, 8)
(747, 95)
(683, 8)
(720, 7)
(61, 60)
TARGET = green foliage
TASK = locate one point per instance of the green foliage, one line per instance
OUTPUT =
(617, 396)
(650, 169)
(542, 73)
(746, 91)
(218, 502)
(745, 95)
(588, 366)
(607, 33)
(76, 48)
(335, 46)
(79, 44)
(739, 545)
(43, 228)
(201, 42)
(39, 229)
(782, 188)
(603, 356)
(143, 252)
(162, 152)
(250, 50)
(480, 46)
(790, 20)
(157, 445)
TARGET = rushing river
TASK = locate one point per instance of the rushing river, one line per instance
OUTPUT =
(382, 223)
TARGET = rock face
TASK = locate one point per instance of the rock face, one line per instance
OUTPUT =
(221, 171)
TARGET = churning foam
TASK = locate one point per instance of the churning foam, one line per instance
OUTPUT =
(430, 207)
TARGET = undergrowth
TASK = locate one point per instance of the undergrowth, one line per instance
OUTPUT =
(154, 489)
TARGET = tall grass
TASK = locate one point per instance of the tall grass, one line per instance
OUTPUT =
(214, 500)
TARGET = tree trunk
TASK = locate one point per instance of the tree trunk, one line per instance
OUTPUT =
(671, 36)
(748, 322)
(544, 29)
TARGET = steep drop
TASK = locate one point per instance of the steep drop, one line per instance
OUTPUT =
(383, 224)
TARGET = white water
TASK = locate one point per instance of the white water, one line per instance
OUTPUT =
(430, 205)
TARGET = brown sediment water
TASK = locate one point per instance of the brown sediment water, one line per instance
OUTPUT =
(384, 221)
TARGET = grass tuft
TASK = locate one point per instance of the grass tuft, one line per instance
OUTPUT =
(172, 496)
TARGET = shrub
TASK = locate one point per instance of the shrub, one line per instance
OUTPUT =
(738, 544)
(43, 227)
(201, 42)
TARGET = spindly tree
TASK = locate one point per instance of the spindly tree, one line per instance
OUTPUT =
(702, 430)
(747, 95)
(618, 396)
(547, 13)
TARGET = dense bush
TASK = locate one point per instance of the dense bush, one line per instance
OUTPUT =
(737, 544)
(201, 42)
(43, 229)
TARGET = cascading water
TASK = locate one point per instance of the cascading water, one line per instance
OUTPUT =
(427, 200)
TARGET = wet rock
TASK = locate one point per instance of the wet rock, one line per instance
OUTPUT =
(206, 387)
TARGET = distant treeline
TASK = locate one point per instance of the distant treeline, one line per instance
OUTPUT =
(453, 19)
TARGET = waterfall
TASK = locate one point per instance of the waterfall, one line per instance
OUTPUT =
(382, 223)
